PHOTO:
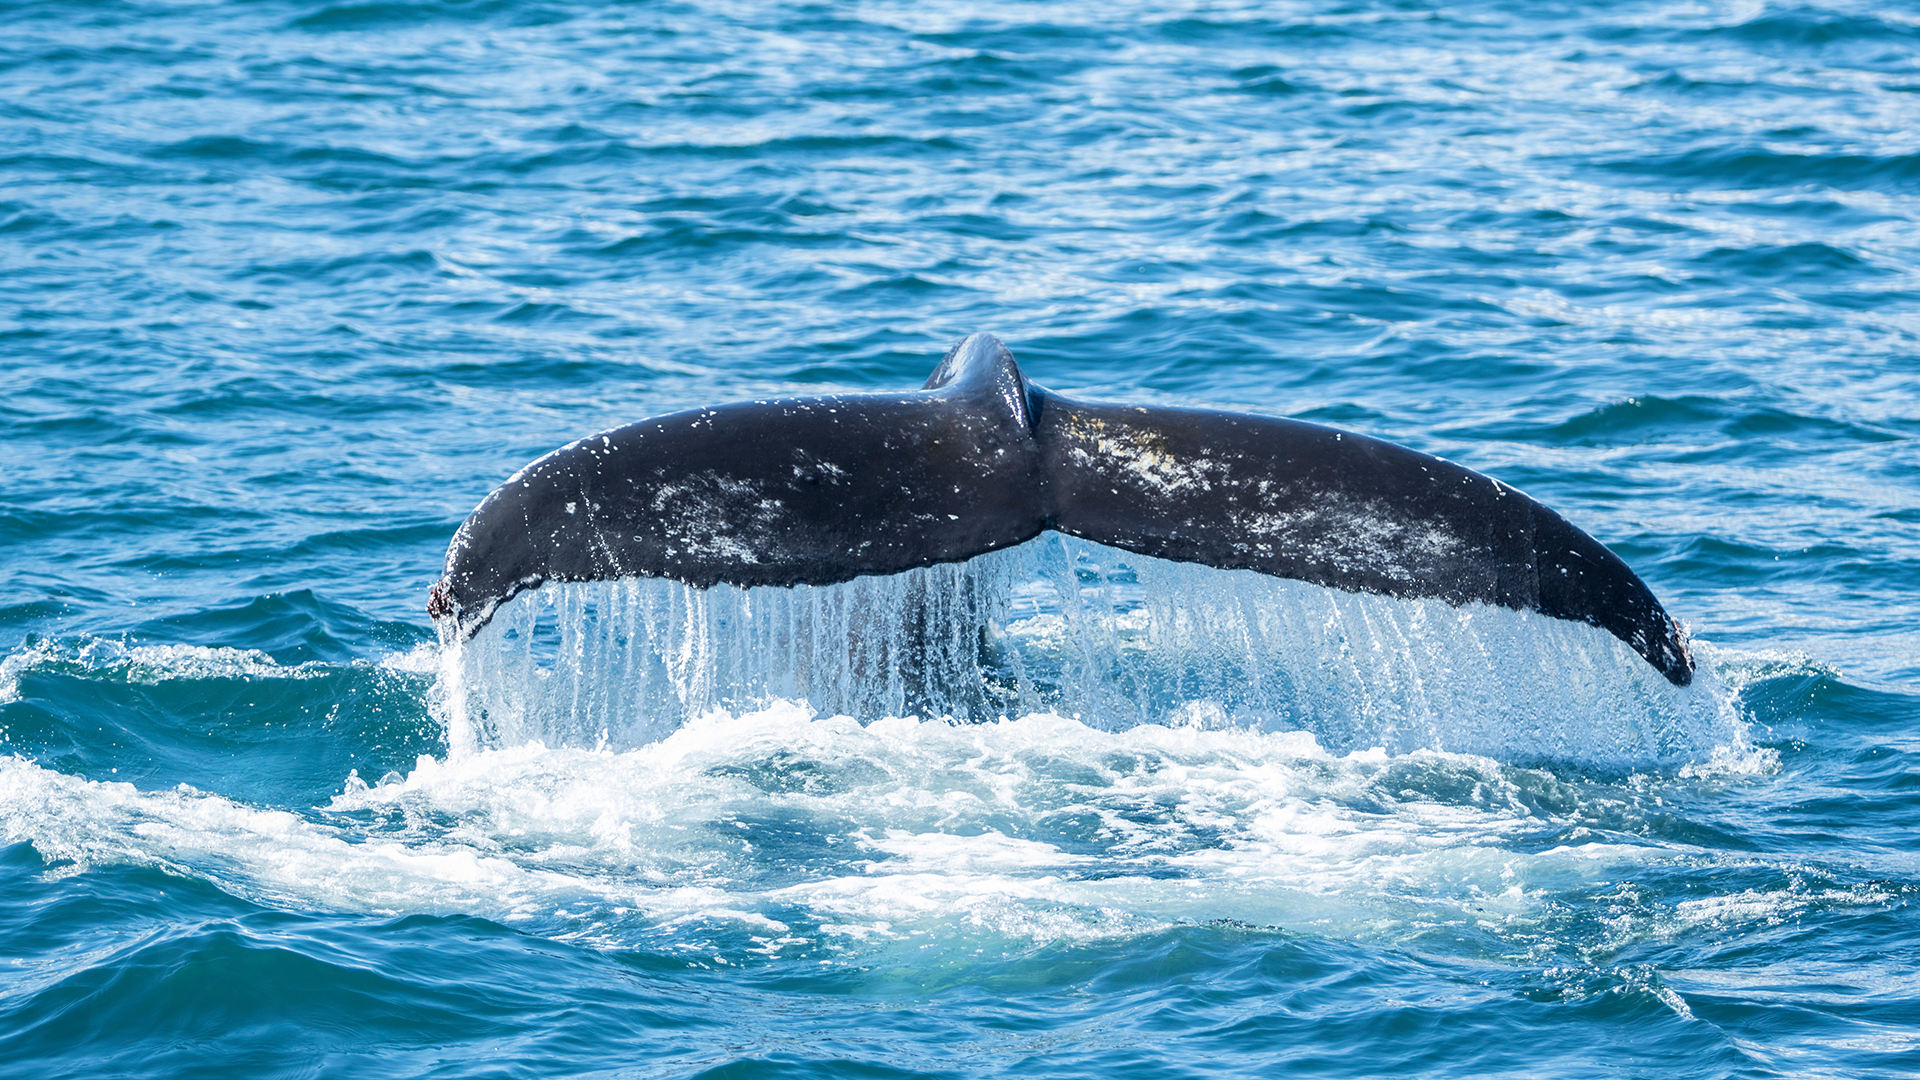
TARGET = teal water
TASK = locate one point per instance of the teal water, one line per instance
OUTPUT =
(286, 287)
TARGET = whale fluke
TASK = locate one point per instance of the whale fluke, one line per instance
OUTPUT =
(821, 490)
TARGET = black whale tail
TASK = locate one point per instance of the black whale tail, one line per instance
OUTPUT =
(825, 489)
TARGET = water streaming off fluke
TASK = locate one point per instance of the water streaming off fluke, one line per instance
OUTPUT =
(1082, 630)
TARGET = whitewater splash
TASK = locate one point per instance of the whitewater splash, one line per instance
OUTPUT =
(1069, 627)
(777, 831)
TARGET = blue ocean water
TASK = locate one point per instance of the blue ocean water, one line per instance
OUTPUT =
(287, 286)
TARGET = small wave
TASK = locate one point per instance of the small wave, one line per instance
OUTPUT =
(344, 269)
(1817, 29)
(1690, 419)
(219, 147)
(1754, 167)
(1268, 80)
(116, 660)
(681, 238)
(293, 627)
(100, 658)
(21, 219)
(1765, 262)
(325, 166)
(390, 16)
(235, 720)
(1674, 82)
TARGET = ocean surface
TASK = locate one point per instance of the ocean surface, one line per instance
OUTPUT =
(287, 286)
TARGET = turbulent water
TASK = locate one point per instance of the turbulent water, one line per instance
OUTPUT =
(286, 287)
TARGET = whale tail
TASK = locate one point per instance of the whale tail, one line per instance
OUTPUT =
(822, 490)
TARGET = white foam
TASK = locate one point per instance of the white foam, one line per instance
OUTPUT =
(786, 833)
(1774, 907)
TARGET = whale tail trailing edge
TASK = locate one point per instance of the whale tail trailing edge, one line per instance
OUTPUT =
(825, 489)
